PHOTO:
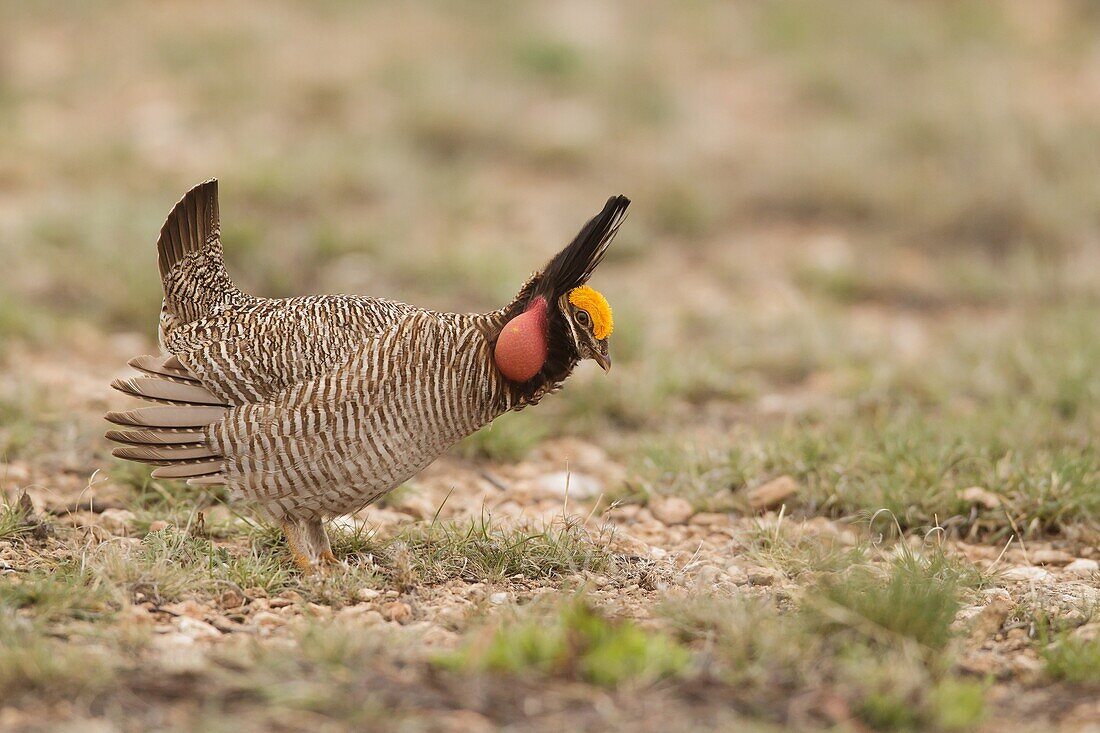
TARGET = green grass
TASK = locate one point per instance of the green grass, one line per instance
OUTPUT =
(169, 565)
(171, 501)
(860, 254)
(483, 551)
(574, 641)
(1072, 658)
(61, 591)
(914, 465)
(17, 518)
(875, 637)
(34, 666)
(913, 600)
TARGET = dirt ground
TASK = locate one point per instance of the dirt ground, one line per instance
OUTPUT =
(843, 475)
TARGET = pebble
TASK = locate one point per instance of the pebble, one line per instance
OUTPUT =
(1083, 567)
(671, 510)
(707, 576)
(158, 525)
(709, 519)
(737, 574)
(231, 598)
(398, 611)
(367, 594)
(569, 483)
(1051, 557)
(763, 576)
(991, 617)
(362, 612)
(1088, 632)
(118, 521)
(1026, 573)
(267, 619)
(464, 721)
(980, 496)
(773, 493)
(196, 629)
(500, 598)
(417, 507)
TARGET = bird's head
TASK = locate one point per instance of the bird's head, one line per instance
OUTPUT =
(588, 317)
(558, 319)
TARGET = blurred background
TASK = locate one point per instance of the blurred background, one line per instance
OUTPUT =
(860, 215)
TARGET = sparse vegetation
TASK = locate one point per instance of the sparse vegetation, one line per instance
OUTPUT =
(573, 641)
(862, 258)
(1073, 658)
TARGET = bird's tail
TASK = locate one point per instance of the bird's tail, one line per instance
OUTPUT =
(171, 435)
(189, 250)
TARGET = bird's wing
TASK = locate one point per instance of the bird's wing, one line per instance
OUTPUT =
(249, 353)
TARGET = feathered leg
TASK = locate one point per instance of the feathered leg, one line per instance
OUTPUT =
(308, 542)
(315, 534)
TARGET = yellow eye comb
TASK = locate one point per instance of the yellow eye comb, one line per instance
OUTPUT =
(588, 299)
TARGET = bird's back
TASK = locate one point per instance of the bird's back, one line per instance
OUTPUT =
(258, 346)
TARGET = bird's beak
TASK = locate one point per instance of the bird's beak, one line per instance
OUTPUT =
(603, 358)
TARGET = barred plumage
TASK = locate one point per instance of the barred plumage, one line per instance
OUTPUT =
(316, 406)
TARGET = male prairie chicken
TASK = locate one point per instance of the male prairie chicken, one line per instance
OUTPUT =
(315, 407)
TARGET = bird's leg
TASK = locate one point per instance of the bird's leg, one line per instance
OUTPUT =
(314, 533)
(298, 544)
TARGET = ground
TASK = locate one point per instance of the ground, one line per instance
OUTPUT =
(843, 474)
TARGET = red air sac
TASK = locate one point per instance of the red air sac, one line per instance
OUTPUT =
(521, 347)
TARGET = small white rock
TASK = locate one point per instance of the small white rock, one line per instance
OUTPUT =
(367, 594)
(117, 520)
(980, 496)
(498, 599)
(196, 628)
(1083, 567)
(576, 485)
(1026, 573)
(1051, 557)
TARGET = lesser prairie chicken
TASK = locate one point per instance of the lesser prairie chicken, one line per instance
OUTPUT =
(314, 407)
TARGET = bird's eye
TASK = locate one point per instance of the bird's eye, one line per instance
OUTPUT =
(583, 318)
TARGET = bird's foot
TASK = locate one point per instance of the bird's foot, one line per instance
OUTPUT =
(309, 545)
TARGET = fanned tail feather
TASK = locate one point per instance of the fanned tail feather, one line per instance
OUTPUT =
(162, 436)
(167, 417)
(189, 252)
(190, 469)
(172, 434)
(165, 391)
(163, 366)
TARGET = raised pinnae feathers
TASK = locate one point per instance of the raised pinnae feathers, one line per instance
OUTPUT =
(572, 267)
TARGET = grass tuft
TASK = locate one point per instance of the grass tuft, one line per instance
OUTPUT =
(1073, 658)
(574, 641)
(481, 550)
